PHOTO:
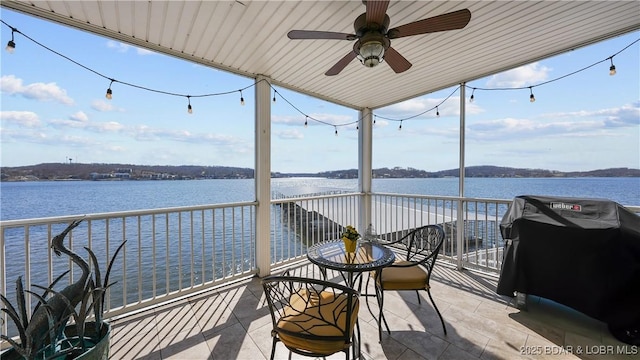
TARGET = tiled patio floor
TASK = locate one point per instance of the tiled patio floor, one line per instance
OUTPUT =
(233, 322)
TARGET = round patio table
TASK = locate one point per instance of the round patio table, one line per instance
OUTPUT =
(369, 256)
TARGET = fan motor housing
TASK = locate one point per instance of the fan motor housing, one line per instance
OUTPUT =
(361, 26)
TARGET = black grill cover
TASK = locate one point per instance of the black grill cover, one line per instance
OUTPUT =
(583, 253)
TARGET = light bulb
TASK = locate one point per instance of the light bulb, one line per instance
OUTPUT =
(241, 101)
(531, 97)
(11, 47)
(471, 98)
(189, 109)
(437, 112)
(400, 127)
(109, 94)
(306, 122)
(336, 131)
(612, 70)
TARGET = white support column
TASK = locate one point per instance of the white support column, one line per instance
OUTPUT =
(460, 212)
(365, 137)
(263, 175)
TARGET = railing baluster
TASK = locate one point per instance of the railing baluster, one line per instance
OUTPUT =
(224, 244)
(234, 266)
(202, 249)
(124, 262)
(154, 287)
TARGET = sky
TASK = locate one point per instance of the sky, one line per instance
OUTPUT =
(54, 110)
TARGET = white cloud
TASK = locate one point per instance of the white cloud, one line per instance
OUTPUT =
(104, 106)
(79, 116)
(122, 48)
(80, 120)
(519, 77)
(314, 119)
(110, 126)
(624, 116)
(38, 91)
(66, 123)
(27, 119)
(115, 148)
(141, 51)
(118, 46)
(147, 133)
(73, 141)
(290, 134)
(431, 106)
(510, 129)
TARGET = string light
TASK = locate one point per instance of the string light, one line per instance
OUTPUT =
(109, 94)
(612, 68)
(531, 97)
(306, 121)
(11, 46)
(189, 108)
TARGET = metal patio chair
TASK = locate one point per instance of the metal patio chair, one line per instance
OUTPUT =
(420, 248)
(313, 317)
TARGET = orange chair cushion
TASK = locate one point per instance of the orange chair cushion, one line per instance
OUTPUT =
(404, 278)
(318, 317)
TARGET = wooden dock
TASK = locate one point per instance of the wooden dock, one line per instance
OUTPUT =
(325, 218)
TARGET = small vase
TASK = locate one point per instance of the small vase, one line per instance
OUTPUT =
(349, 245)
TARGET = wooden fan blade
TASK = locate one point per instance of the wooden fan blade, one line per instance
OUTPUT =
(376, 10)
(450, 21)
(310, 34)
(341, 64)
(396, 61)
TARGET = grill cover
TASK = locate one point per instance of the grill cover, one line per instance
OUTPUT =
(583, 253)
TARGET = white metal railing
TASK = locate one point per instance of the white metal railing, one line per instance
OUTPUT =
(302, 221)
(168, 253)
(174, 252)
(299, 222)
(472, 226)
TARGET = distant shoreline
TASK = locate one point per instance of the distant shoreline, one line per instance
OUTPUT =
(127, 172)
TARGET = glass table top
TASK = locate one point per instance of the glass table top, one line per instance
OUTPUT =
(368, 256)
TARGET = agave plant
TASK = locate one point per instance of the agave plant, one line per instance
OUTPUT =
(43, 335)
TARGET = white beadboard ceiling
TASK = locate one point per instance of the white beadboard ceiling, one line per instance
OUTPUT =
(250, 38)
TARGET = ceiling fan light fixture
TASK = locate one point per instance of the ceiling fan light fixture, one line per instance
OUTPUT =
(371, 53)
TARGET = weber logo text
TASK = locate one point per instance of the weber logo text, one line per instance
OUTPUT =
(564, 206)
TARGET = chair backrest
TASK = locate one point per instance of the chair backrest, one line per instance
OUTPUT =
(423, 245)
(311, 309)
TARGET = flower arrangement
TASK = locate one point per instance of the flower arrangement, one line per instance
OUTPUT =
(350, 233)
(350, 237)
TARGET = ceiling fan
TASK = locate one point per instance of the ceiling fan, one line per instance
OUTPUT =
(373, 36)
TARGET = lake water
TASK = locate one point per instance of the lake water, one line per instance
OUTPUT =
(26, 200)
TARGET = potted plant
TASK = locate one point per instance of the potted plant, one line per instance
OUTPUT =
(65, 324)
(350, 238)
